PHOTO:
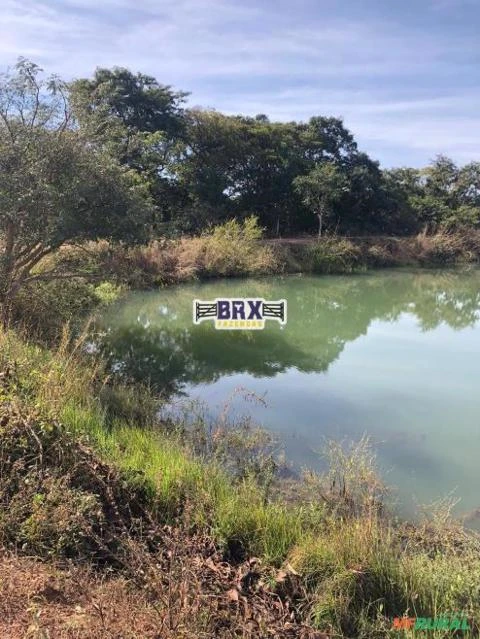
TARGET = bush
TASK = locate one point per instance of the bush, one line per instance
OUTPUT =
(333, 255)
(379, 256)
(234, 248)
(155, 264)
(57, 497)
(43, 308)
(107, 292)
(55, 521)
(441, 249)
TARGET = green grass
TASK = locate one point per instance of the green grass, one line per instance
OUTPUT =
(361, 576)
(358, 570)
(235, 514)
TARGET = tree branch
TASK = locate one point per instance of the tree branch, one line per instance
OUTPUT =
(31, 260)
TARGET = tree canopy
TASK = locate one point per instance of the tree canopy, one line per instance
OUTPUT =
(203, 167)
(55, 186)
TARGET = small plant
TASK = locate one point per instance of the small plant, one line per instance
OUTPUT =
(355, 487)
(333, 255)
(107, 292)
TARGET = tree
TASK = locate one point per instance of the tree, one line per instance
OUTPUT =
(362, 204)
(214, 145)
(468, 184)
(441, 196)
(454, 191)
(326, 138)
(400, 187)
(55, 186)
(137, 101)
(139, 121)
(321, 189)
(272, 158)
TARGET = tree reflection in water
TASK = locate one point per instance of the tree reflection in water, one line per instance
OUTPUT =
(151, 337)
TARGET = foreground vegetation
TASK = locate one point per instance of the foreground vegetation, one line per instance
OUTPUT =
(180, 528)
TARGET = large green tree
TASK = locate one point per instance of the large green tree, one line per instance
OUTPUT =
(55, 186)
(135, 100)
(441, 196)
(139, 121)
(202, 167)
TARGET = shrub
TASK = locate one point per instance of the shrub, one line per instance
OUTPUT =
(107, 292)
(155, 264)
(54, 522)
(378, 256)
(43, 308)
(57, 497)
(441, 249)
(333, 255)
(234, 248)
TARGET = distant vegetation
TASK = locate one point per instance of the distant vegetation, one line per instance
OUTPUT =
(203, 167)
(119, 157)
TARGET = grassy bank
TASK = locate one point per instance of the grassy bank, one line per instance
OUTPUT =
(186, 523)
(238, 250)
(83, 477)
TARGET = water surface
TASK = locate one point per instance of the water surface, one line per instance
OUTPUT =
(394, 354)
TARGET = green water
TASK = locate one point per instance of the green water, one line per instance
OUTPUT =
(394, 354)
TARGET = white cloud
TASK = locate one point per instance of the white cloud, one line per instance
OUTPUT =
(391, 130)
(396, 85)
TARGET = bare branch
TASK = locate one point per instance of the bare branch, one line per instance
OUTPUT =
(36, 88)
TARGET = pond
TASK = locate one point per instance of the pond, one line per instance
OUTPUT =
(391, 354)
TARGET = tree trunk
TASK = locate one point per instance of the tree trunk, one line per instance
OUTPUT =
(6, 273)
(5, 309)
(320, 221)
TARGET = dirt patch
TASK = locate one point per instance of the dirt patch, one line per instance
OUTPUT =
(199, 599)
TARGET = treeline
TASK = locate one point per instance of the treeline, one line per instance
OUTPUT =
(119, 156)
(203, 167)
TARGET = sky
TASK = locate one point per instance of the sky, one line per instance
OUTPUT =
(403, 75)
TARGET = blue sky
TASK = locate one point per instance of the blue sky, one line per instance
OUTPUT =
(404, 75)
